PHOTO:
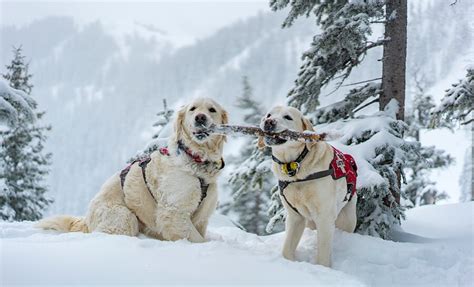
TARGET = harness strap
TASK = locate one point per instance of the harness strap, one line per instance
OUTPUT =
(284, 184)
(143, 164)
(298, 159)
(204, 188)
(291, 168)
(196, 158)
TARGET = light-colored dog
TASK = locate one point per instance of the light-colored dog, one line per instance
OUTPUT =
(320, 203)
(169, 196)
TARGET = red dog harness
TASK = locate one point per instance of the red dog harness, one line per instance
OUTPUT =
(342, 165)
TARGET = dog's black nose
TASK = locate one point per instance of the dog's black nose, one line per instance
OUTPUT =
(269, 125)
(200, 119)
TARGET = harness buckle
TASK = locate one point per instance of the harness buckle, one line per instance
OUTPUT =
(291, 168)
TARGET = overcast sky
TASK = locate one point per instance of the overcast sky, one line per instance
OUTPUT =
(181, 21)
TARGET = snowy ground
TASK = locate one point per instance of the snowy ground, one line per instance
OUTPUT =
(32, 257)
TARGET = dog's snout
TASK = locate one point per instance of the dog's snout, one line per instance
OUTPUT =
(269, 125)
(200, 119)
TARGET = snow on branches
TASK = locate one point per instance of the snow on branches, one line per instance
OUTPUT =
(457, 104)
(356, 100)
(377, 145)
(14, 104)
(24, 163)
(337, 50)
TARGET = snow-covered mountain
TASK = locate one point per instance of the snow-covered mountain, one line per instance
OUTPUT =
(101, 101)
(101, 91)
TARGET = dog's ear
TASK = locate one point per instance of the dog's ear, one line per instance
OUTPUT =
(307, 125)
(178, 123)
(224, 117)
(260, 142)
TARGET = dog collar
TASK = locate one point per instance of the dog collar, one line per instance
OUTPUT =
(291, 168)
(195, 157)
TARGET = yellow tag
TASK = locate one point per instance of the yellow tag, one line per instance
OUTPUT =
(293, 165)
(290, 168)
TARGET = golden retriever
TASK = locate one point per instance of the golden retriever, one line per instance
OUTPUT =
(323, 202)
(169, 195)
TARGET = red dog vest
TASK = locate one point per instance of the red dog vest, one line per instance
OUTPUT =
(344, 165)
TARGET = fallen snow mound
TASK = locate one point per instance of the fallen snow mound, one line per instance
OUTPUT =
(232, 256)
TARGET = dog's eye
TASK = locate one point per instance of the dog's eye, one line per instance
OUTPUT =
(212, 110)
(192, 109)
(269, 115)
(287, 117)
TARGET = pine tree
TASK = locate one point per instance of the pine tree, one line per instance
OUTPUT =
(376, 140)
(252, 181)
(420, 190)
(24, 163)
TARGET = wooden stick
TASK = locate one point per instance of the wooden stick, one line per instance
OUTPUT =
(256, 131)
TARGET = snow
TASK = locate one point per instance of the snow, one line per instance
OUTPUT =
(13, 102)
(232, 256)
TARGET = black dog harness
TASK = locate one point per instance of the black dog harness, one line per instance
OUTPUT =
(342, 165)
(143, 162)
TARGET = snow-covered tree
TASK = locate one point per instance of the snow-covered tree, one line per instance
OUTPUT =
(18, 75)
(163, 122)
(457, 104)
(164, 117)
(420, 189)
(24, 163)
(456, 107)
(14, 92)
(251, 182)
(375, 139)
(337, 50)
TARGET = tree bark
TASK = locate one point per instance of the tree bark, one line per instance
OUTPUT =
(394, 56)
(394, 61)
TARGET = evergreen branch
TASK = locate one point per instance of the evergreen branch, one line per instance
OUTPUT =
(366, 105)
(468, 122)
(362, 82)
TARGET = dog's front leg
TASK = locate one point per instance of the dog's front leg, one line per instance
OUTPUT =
(326, 224)
(173, 223)
(194, 235)
(294, 227)
(201, 216)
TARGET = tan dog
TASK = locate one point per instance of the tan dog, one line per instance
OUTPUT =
(322, 201)
(171, 195)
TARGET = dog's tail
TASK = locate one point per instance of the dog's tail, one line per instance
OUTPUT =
(64, 223)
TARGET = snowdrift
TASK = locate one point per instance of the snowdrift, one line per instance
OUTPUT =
(34, 257)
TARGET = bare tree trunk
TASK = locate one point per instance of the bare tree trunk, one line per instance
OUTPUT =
(472, 167)
(394, 55)
(394, 61)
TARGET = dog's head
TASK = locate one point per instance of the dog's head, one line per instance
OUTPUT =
(194, 119)
(282, 118)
